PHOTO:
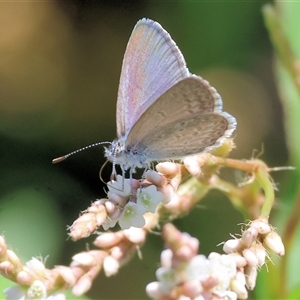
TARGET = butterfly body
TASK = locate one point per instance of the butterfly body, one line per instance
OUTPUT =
(129, 158)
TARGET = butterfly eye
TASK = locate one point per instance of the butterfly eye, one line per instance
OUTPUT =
(117, 147)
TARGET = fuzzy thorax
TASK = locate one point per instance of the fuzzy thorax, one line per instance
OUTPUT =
(127, 157)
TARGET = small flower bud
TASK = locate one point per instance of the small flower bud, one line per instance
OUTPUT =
(115, 199)
(273, 242)
(169, 194)
(231, 245)
(192, 165)
(110, 266)
(108, 239)
(13, 258)
(260, 253)
(153, 290)
(239, 260)
(261, 225)
(67, 274)
(239, 288)
(166, 258)
(135, 235)
(24, 278)
(82, 285)
(191, 289)
(240, 276)
(250, 257)
(168, 168)
(84, 259)
(249, 236)
(6, 268)
(251, 275)
(155, 178)
(184, 253)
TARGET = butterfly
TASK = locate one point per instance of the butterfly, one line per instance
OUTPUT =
(163, 111)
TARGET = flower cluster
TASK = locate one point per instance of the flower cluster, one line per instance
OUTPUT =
(129, 201)
(139, 207)
(184, 274)
(33, 279)
(126, 206)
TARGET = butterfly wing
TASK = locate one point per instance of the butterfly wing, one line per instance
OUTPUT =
(187, 136)
(152, 64)
(186, 119)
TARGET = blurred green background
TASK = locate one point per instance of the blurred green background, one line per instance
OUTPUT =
(60, 64)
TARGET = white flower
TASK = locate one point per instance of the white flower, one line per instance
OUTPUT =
(36, 267)
(109, 223)
(224, 268)
(37, 291)
(167, 278)
(120, 186)
(132, 215)
(149, 197)
(198, 268)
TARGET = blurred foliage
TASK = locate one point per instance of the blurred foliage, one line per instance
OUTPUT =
(59, 69)
(282, 21)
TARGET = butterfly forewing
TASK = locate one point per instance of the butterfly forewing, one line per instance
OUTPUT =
(152, 64)
(190, 96)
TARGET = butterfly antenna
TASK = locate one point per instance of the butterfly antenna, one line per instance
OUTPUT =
(61, 158)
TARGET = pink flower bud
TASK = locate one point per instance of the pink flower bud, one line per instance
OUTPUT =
(67, 274)
(192, 165)
(169, 194)
(135, 235)
(84, 259)
(261, 225)
(239, 288)
(166, 257)
(251, 275)
(249, 236)
(13, 258)
(260, 253)
(110, 266)
(168, 168)
(191, 289)
(273, 242)
(155, 178)
(153, 290)
(239, 260)
(24, 278)
(108, 239)
(6, 268)
(82, 285)
(250, 257)
(231, 245)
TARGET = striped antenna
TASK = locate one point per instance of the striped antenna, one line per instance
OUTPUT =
(61, 158)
